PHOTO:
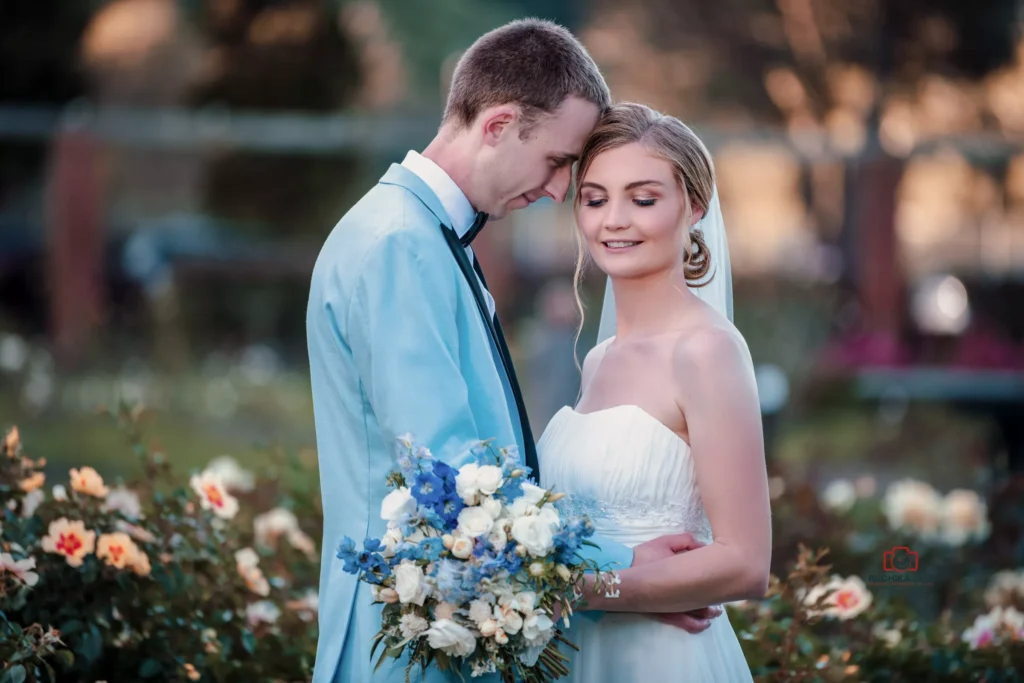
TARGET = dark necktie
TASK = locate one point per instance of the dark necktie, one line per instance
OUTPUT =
(474, 230)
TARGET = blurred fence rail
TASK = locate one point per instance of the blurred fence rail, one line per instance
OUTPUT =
(327, 134)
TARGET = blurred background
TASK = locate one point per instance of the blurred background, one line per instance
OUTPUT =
(170, 168)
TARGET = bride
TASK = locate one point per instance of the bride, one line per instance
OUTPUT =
(666, 436)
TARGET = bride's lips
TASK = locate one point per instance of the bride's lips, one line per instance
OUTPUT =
(618, 246)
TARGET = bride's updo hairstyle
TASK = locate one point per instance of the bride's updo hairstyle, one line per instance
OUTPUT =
(672, 140)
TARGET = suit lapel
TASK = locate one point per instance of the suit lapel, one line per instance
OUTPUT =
(462, 258)
(399, 175)
(494, 328)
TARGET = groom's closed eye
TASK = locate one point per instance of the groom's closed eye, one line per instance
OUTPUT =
(562, 160)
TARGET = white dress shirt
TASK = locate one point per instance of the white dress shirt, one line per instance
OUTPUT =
(454, 201)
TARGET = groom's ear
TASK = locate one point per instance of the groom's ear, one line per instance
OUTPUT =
(497, 122)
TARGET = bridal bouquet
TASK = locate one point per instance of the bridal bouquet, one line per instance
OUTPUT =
(474, 567)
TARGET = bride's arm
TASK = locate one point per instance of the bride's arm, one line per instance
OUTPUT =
(719, 399)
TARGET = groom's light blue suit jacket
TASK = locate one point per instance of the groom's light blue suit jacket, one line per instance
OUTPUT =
(397, 344)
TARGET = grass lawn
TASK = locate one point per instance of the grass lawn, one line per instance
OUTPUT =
(190, 440)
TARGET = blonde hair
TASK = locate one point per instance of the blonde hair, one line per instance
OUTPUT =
(672, 140)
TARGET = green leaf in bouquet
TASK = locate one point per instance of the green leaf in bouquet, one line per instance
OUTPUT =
(383, 656)
(16, 674)
(377, 640)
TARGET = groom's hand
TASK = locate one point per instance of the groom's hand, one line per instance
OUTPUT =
(662, 548)
(694, 621)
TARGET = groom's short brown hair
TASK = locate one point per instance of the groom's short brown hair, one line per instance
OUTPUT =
(532, 63)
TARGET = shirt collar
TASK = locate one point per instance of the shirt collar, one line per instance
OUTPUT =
(452, 199)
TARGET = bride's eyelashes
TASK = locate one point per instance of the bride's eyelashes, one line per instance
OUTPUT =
(646, 201)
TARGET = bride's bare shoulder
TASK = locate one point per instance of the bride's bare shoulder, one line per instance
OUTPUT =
(712, 342)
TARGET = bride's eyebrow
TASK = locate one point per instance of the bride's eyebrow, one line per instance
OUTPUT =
(592, 186)
(641, 183)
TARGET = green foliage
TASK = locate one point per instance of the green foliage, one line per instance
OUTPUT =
(177, 601)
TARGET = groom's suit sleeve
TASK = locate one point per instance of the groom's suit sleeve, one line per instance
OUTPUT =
(405, 342)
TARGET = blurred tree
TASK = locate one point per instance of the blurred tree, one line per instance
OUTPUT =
(431, 34)
(285, 55)
(867, 79)
(38, 45)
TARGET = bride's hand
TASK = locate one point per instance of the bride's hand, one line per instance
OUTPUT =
(694, 621)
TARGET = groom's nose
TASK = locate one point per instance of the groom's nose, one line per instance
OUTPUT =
(558, 186)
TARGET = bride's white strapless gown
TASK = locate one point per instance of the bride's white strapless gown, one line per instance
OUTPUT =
(634, 477)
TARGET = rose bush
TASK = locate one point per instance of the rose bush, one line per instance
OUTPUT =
(155, 580)
(211, 576)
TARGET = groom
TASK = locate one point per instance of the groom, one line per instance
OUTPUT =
(401, 329)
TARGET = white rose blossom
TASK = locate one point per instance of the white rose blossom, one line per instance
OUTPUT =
(397, 505)
(466, 483)
(474, 522)
(492, 506)
(452, 638)
(536, 534)
(489, 479)
(462, 548)
(410, 583)
(392, 538)
(839, 496)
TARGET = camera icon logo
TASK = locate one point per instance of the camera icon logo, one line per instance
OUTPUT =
(899, 559)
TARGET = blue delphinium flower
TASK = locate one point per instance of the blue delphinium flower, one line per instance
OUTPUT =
(447, 474)
(407, 464)
(449, 508)
(367, 561)
(430, 549)
(454, 582)
(347, 552)
(428, 489)
(432, 518)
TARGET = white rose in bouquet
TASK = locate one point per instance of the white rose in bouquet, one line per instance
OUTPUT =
(462, 547)
(535, 534)
(474, 522)
(492, 506)
(467, 483)
(391, 539)
(410, 583)
(397, 504)
(456, 640)
(488, 479)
